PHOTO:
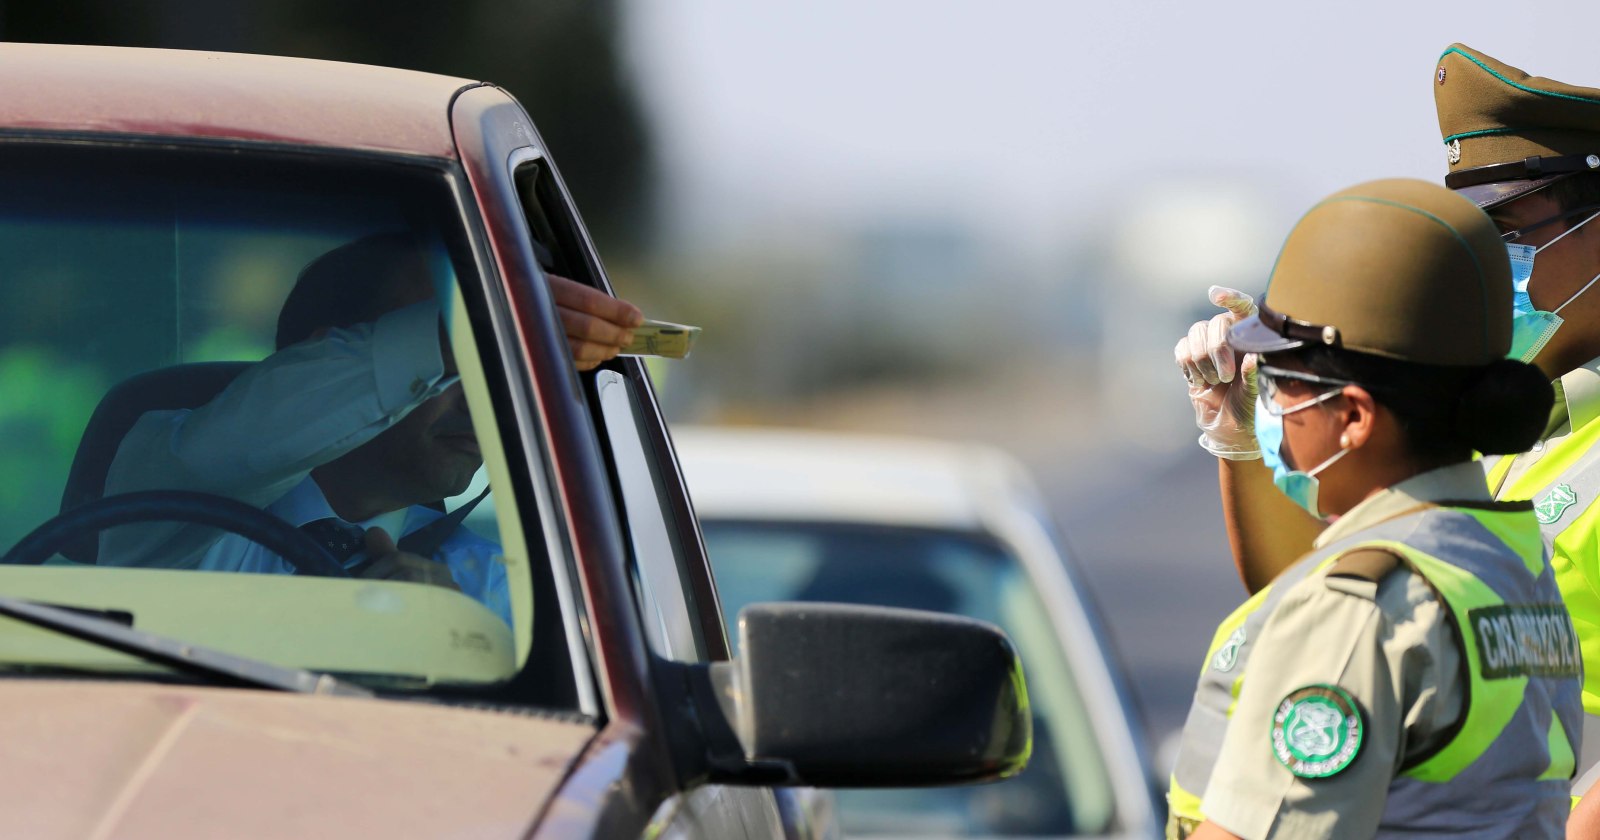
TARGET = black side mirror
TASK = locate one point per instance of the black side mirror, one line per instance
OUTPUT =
(835, 695)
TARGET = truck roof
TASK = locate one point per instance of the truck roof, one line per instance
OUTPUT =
(53, 88)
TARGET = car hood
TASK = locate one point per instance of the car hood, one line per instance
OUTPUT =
(96, 760)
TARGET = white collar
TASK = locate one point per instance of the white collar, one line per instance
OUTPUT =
(1578, 392)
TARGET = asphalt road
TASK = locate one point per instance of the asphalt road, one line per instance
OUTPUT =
(1149, 538)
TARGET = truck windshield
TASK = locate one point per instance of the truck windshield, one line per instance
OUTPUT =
(283, 330)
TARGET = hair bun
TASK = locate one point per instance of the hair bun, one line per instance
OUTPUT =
(1504, 407)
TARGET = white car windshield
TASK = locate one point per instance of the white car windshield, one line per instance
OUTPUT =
(1063, 791)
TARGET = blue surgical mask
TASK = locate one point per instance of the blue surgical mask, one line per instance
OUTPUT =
(1532, 329)
(1300, 486)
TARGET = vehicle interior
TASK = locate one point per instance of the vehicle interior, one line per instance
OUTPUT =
(145, 282)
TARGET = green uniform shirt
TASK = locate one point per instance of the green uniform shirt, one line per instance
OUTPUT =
(1390, 645)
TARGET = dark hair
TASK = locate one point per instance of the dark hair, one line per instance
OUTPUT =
(1580, 190)
(352, 284)
(1447, 412)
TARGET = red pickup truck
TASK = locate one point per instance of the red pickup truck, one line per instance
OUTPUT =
(183, 655)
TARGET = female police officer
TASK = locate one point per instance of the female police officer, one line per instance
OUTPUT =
(1416, 672)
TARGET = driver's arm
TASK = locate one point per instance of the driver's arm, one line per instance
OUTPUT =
(312, 402)
(299, 408)
(308, 404)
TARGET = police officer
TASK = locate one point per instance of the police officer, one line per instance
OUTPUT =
(1415, 672)
(1526, 150)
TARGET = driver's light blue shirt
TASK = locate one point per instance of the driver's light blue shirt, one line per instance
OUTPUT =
(475, 563)
(258, 441)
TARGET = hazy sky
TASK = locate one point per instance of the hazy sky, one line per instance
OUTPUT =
(1067, 123)
(1035, 116)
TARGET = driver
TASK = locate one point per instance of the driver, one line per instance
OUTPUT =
(353, 430)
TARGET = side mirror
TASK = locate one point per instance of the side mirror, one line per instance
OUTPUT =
(834, 695)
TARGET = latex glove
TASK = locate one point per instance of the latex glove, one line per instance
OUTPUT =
(1222, 386)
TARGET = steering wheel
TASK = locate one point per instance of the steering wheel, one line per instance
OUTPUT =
(231, 515)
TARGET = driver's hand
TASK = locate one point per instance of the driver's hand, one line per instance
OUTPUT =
(386, 562)
(598, 326)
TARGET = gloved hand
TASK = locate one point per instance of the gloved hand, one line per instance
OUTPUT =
(1222, 387)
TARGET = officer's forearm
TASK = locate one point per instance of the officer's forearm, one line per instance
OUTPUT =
(1266, 530)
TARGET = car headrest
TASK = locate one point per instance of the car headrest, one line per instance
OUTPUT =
(163, 389)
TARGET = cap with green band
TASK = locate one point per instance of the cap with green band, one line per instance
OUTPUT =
(1507, 133)
(1398, 268)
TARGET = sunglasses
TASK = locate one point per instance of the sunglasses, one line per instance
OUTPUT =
(1517, 234)
(1269, 379)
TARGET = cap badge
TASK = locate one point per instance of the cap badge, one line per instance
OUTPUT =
(1452, 151)
(1441, 74)
(1316, 731)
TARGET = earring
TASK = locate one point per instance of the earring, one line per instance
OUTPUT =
(1344, 440)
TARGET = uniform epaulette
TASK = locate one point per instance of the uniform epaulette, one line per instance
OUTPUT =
(1368, 564)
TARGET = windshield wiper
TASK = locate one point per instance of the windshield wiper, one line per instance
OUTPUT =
(212, 665)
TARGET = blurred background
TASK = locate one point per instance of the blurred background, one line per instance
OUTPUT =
(985, 221)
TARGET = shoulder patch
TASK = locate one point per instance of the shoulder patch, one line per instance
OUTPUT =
(1316, 731)
(1368, 564)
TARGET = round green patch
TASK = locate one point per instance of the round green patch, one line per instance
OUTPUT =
(1316, 731)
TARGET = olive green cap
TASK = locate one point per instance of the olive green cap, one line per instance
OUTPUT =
(1507, 133)
(1399, 268)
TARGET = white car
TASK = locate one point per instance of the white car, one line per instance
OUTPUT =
(811, 516)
